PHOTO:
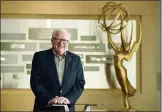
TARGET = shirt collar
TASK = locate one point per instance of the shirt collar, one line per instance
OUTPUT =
(64, 54)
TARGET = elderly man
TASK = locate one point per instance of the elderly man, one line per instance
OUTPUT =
(57, 75)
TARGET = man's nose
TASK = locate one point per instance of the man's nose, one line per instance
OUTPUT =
(60, 42)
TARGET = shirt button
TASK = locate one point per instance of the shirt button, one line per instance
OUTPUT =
(61, 91)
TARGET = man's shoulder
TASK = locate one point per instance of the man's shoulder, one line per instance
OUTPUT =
(42, 52)
(72, 54)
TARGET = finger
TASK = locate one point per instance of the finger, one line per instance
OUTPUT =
(51, 102)
(56, 97)
(67, 102)
(60, 98)
(56, 100)
(62, 101)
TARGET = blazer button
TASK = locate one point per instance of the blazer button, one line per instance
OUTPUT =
(61, 93)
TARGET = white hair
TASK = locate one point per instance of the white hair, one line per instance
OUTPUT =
(61, 30)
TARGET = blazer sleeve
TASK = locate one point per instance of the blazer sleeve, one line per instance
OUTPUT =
(35, 82)
(78, 87)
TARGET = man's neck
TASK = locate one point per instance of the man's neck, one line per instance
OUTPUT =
(58, 54)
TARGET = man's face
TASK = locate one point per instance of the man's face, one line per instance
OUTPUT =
(60, 42)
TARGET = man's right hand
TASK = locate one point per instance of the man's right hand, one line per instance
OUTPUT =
(54, 100)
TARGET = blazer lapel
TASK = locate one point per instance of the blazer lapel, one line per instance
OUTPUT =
(52, 65)
(67, 64)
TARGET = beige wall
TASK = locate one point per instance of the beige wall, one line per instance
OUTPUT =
(20, 100)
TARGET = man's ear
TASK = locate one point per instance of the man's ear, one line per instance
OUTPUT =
(51, 40)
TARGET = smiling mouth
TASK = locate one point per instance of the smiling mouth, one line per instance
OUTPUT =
(60, 46)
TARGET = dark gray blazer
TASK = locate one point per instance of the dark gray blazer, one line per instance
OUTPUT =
(45, 83)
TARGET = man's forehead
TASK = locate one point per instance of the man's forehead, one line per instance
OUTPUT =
(62, 34)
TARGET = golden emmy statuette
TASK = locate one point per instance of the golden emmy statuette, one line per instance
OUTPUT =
(125, 51)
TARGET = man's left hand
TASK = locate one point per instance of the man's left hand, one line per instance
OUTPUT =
(63, 100)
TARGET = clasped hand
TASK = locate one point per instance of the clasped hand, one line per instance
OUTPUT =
(59, 100)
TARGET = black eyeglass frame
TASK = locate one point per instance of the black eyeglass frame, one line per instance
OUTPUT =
(62, 40)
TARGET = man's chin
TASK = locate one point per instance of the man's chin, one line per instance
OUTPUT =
(61, 52)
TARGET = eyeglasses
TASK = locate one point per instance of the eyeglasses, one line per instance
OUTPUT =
(64, 41)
